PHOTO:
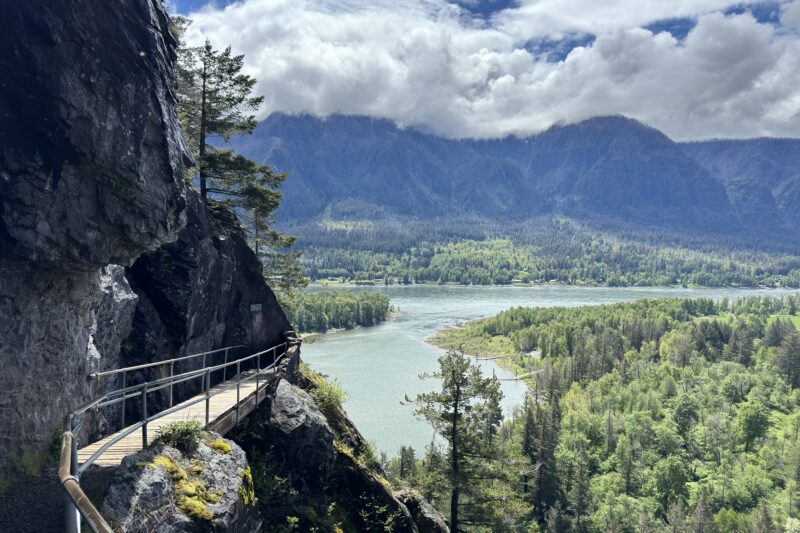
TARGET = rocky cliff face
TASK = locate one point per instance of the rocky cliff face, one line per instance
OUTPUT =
(314, 470)
(203, 291)
(91, 157)
(91, 166)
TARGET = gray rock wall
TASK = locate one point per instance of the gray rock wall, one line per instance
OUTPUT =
(203, 291)
(91, 175)
(91, 157)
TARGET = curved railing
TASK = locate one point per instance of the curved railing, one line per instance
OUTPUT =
(69, 471)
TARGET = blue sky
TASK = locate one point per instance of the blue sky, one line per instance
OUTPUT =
(489, 68)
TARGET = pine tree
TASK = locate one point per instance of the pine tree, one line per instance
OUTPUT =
(547, 492)
(775, 332)
(579, 495)
(215, 99)
(408, 462)
(763, 521)
(787, 358)
(466, 413)
(702, 519)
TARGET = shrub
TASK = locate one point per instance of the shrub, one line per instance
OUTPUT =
(183, 434)
(329, 395)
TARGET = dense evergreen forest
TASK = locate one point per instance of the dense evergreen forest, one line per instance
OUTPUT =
(558, 250)
(655, 415)
(323, 310)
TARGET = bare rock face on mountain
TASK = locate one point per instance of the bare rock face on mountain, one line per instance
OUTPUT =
(91, 176)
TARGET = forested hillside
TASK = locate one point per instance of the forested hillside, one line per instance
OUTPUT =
(605, 201)
(538, 251)
(655, 415)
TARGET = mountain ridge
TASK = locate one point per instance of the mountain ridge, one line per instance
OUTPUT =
(610, 167)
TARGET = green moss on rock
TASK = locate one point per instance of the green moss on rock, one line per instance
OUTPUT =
(247, 490)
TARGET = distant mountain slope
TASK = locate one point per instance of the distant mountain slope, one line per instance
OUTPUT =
(612, 168)
(408, 172)
(762, 176)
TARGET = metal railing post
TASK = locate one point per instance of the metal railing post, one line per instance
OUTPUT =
(144, 416)
(258, 375)
(238, 381)
(72, 516)
(208, 395)
(171, 373)
(225, 368)
(123, 399)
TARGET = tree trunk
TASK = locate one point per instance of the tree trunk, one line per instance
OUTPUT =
(202, 143)
(455, 462)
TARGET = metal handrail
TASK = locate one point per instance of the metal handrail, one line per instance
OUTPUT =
(170, 362)
(105, 373)
(69, 470)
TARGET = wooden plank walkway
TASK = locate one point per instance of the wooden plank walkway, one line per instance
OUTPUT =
(222, 416)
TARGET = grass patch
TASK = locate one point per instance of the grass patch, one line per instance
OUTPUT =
(183, 435)
(247, 491)
(471, 342)
(329, 396)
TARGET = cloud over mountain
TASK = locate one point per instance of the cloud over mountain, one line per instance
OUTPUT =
(460, 71)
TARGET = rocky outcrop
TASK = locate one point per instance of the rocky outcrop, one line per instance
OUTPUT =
(314, 468)
(162, 489)
(91, 175)
(428, 519)
(203, 291)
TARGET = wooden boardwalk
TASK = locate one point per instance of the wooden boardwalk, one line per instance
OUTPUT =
(222, 417)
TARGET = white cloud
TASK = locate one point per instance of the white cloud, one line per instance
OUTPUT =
(790, 14)
(428, 63)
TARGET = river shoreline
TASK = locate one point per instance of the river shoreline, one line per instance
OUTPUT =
(380, 366)
(311, 336)
(321, 284)
(503, 361)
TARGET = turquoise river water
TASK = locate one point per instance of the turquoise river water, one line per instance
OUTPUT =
(378, 366)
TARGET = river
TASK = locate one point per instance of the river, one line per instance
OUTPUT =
(379, 365)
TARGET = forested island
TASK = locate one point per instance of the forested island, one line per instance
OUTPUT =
(654, 415)
(320, 311)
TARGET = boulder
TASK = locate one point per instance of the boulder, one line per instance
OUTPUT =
(303, 431)
(163, 490)
(328, 476)
(428, 519)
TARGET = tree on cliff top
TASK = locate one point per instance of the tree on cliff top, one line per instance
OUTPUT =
(216, 99)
